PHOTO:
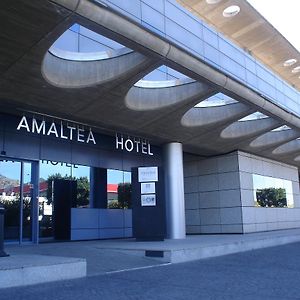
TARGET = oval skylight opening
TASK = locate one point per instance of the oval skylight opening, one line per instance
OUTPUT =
(281, 128)
(231, 11)
(289, 62)
(216, 100)
(213, 1)
(296, 70)
(255, 116)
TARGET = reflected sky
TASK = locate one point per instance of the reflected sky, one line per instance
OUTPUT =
(10, 169)
(116, 176)
(48, 168)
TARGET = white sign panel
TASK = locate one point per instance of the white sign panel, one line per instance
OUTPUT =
(148, 174)
(148, 188)
(148, 200)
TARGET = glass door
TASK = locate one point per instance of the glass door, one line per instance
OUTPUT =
(16, 195)
(10, 181)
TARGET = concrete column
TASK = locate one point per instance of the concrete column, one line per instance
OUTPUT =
(173, 168)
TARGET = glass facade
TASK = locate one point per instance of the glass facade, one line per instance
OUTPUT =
(116, 183)
(51, 170)
(272, 192)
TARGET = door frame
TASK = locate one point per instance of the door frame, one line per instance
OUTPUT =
(34, 211)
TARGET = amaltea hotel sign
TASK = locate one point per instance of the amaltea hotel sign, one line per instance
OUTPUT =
(62, 131)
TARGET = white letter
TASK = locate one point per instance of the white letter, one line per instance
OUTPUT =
(62, 131)
(25, 125)
(144, 147)
(131, 145)
(137, 142)
(38, 129)
(52, 129)
(149, 149)
(91, 138)
(79, 135)
(71, 131)
(119, 142)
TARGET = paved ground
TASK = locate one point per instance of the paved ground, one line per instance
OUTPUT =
(99, 260)
(271, 273)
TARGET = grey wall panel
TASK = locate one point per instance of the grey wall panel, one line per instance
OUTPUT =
(260, 218)
(127, 232)
(109, 161)
(110, 233)
(21, 146)
(84, 234)
(213, 184)
(85, 155)
(131, 162)
(111, 218)
(95, 223)
(128, 218)
(84, 218)
(56, 150)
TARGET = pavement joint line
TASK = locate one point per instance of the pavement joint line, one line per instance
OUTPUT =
(138, 268)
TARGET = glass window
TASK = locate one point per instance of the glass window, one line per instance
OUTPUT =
(118, 189)
(272, 192)
(10, 172)
(51, 170)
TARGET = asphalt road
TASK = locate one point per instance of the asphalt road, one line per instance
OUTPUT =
(271, 273)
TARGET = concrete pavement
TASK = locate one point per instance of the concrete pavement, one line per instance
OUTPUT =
(270, 273)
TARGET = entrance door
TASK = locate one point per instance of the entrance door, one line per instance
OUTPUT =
(17, 196)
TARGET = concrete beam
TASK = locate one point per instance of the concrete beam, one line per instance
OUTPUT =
(205, 116)
(66, 73)
(274, 139)
(287, 148)
(249, 128)
(152, 98)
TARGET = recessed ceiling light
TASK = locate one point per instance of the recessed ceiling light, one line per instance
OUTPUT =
(289, 62)
(231, 11)
(296, 70)
(213, 1)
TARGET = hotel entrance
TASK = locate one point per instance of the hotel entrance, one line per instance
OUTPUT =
(17, 195)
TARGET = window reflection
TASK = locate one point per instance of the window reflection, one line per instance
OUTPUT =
(51, 170)
(272, 192)
(118, 189)
(10, 172)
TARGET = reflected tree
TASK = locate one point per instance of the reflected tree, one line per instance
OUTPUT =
(271, 197)
(124, 195)
(83, 189)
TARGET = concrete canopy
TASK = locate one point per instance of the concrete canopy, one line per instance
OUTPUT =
(102, 92)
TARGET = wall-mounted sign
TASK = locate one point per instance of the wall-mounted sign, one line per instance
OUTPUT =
(146, 174)
(148, 188)
(148, 200)
(133, 145)
(62, 131)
